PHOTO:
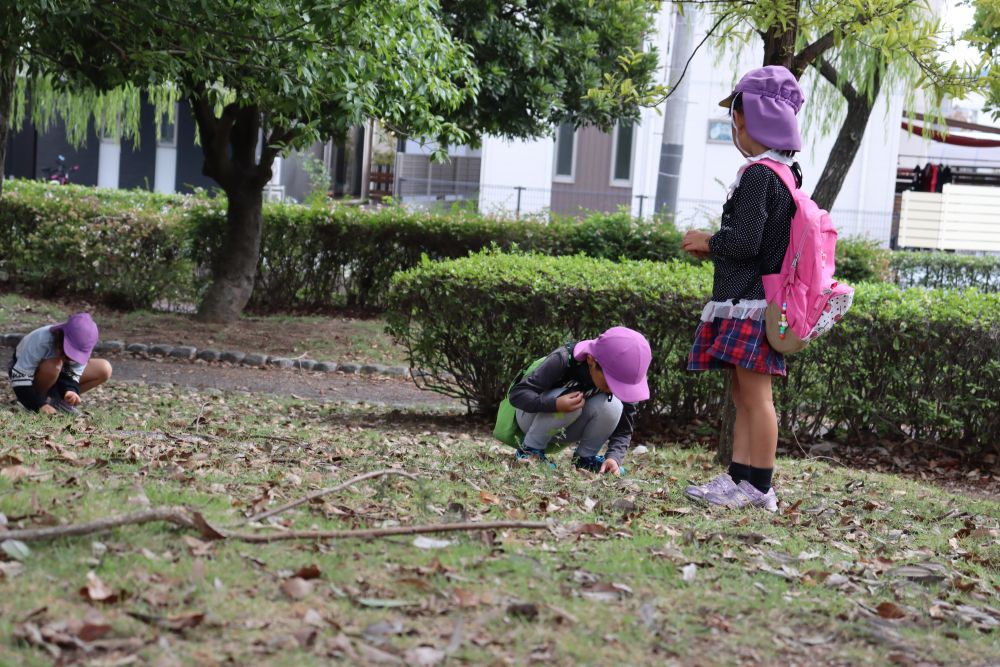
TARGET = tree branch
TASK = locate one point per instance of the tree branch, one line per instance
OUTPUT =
(182, 516)
(806, 56)
(176, 515)
(830, 73)
(323, 492)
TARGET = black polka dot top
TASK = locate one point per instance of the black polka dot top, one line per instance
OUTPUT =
(753, 237)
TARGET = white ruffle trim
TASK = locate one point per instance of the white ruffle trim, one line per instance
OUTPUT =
(745, 309)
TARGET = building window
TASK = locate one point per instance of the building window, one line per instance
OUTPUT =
(565, 163)
(168, 129)
(621, 153)
(720, 131)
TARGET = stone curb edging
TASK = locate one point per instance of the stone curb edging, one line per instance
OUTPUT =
(254, 360)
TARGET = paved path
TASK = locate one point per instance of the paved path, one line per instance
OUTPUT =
(333, 387)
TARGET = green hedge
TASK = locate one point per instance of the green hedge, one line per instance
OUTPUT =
(945, 270)
(323, 258)
(124, 248)
(914, 363)
(310, 258)
(131, 248)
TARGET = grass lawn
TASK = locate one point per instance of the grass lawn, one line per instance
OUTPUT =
(859, 568)
(333, 338)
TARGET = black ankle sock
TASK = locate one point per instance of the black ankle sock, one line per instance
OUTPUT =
(761, 478)
(739, 471)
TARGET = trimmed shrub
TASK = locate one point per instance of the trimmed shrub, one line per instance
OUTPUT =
(904, 363)
(945, 270)
(332, 257)
(862, 261)
(132, 247)
(121, 248)
(482, 318)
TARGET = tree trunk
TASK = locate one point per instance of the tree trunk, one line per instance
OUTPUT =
(779, 41)
(845, 148)
(229, 147)
(234, 266)
(8, 79)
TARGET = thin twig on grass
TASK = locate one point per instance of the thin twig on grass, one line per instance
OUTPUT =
(280, 438)
(186, 518)
(180, 516)
(368, 533)
(323, 492)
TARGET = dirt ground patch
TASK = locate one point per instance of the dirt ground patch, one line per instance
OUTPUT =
(324, 387)
(335, 338)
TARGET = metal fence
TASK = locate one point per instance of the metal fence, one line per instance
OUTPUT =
(518, 201)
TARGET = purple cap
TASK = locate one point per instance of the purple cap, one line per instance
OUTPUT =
(624, 357)
(79, 337)
(771, 98)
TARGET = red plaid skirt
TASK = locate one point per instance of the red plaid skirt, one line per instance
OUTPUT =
(724, 343)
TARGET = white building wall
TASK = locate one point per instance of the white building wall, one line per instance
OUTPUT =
(508, 165)
(864, 205)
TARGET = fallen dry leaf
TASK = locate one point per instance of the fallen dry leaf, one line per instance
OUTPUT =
(98, 591)
(296, 588)
(310, 571)
(889, 610)
(423, 656)
(525, 610)
(489, 498)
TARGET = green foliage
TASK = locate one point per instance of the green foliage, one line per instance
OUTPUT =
(946, 270)
(919, 363)
(985, 36)
(862, 260)
(320, 181)
(323, 258)
(122, 248)
(318, 258)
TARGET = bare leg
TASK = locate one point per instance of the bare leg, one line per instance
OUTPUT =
(46, 375)
(759, 418)
(97, 372)
(741, 426)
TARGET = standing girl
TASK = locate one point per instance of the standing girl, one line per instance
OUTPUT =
(751, 242)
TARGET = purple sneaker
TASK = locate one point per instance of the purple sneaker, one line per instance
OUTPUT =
(723, 485)
(746, 494)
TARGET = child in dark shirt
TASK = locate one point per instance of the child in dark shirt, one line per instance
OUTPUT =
(588, 393)
(752, 242)
(52, 366)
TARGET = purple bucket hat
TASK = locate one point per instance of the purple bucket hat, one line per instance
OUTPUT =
(79, 337)
(624, 357)
(771, 98)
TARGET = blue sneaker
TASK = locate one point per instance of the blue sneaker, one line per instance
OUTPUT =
(529, 455)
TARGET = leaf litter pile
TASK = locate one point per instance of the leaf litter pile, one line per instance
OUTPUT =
(280, 532)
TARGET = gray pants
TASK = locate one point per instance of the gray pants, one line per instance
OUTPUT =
(591, 425)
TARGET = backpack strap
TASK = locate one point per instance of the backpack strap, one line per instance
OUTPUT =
(783, 171)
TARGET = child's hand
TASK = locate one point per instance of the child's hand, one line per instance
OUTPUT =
(72, 398)
(610, 465)
(47, 409)
(696, 243)
(570, 402)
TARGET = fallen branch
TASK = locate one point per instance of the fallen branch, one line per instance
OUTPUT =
(323, 492)
(368, 533)
(180, 516)
(185, 518)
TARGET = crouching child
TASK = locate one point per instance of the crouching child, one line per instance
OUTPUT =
(584, 392)
(52, 367)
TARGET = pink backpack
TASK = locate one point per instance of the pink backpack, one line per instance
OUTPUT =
(803, 300)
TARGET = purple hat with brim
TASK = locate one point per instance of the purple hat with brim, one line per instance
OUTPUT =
(771, 99)
(79, 337)
(624, 356)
